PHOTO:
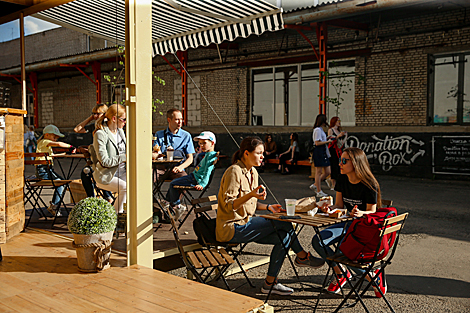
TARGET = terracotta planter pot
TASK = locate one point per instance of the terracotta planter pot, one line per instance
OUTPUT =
(93, 251)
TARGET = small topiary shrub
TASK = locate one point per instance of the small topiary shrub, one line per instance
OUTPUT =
(92, 216)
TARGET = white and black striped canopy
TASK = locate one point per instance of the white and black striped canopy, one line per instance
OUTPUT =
(172, 29)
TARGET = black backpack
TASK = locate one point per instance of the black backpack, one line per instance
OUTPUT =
(204, 228)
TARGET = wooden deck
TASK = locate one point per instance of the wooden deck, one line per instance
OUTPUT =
(39, 274)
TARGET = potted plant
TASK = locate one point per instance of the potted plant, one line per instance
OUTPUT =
(92, 222)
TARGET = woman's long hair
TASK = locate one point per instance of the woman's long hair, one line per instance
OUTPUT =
(248, 144)
(295, 137)
(116, 109)
(363, 172)
(320, 120)
(333, 121)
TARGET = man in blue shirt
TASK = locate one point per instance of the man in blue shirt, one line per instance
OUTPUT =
(177, 138)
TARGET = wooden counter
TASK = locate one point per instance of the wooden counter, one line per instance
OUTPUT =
(12, 213)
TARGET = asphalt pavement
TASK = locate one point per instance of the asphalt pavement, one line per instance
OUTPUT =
(429, 273)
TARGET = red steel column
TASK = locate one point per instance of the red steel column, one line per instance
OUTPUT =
(322, 32)
(183, 57)
(97, 73)
(34, 84)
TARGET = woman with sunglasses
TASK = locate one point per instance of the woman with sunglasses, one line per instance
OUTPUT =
(109, 154)
(339, 137)
(236, 221)
(358, 192)
(321, 155)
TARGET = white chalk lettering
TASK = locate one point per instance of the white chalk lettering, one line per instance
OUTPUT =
(390, 151)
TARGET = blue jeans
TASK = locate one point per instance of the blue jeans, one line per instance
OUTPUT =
(331, 236)
(261, 230)
(43, 173)
(173, 195)
(89, 186)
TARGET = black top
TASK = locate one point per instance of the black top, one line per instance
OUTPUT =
(355, 194)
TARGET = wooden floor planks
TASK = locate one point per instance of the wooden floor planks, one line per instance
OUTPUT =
(39, 274)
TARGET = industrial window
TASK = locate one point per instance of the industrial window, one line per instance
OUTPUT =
(288, 95)
(449, 89)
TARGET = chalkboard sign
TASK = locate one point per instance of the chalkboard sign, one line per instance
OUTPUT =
(451, 155)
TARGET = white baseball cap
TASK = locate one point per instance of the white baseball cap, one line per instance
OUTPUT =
(206, 135)
(52, 129)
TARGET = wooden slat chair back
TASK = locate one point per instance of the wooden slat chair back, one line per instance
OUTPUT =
(202, 206)
(202, 262)
(186, 190)
(35, 186)
(391, 226)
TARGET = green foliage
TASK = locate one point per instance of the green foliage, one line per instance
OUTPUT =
(92, 216)
(341, 83)
(115, 79)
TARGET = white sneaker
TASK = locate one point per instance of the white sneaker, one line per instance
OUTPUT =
(328, 182)
(52, 208)
(179, 210)
(321, 194)
(313, 187)
(278, 289)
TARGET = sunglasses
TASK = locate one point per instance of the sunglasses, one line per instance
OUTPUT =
(97, 113)
(343, 160)
(122, 119)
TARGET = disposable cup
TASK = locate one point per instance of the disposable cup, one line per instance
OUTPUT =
(169, 155)
(290, 206)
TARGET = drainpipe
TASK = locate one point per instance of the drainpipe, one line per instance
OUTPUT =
(96, 56)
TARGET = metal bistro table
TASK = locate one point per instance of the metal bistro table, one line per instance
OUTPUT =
(302, 220)
(72, 168)
(167, 166)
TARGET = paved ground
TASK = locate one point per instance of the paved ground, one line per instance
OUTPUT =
(430, 272)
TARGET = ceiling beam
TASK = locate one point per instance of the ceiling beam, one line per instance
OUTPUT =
(32, 9)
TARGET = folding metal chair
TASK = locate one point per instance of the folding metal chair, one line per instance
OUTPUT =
(35, 186)
(208, 239)
(392, 227)
(186, 191)
(202, 262)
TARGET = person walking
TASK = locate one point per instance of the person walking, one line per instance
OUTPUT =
(321, 155)
(339, 137)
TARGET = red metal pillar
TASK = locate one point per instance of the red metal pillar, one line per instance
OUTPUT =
(34, 84)
(183, 57)
(322, 32)
(97, 74)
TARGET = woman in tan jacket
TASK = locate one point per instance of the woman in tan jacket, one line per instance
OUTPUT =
(237, 202)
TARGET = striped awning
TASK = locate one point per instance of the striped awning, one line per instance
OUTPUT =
(176, 24)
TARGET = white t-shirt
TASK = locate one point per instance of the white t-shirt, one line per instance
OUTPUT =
(121, 171)
(319, 135)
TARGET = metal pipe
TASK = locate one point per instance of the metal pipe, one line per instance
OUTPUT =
(95, 56)
(345, 9)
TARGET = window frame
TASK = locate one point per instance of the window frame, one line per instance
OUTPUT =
(299, 80)
(460, 85)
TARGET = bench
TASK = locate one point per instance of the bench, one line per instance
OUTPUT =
(299, 162)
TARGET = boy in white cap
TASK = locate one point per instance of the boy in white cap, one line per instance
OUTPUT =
(199, 178)
(45, 143)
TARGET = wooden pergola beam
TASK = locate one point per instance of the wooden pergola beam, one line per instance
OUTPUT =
(35, 7)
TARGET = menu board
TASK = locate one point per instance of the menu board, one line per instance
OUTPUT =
(451, 155)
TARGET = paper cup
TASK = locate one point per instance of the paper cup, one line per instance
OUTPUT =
(290, 206)
(169, 155)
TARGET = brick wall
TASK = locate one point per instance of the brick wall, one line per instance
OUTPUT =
(46, 45)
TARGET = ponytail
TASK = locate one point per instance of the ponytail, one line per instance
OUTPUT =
(114, 110)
